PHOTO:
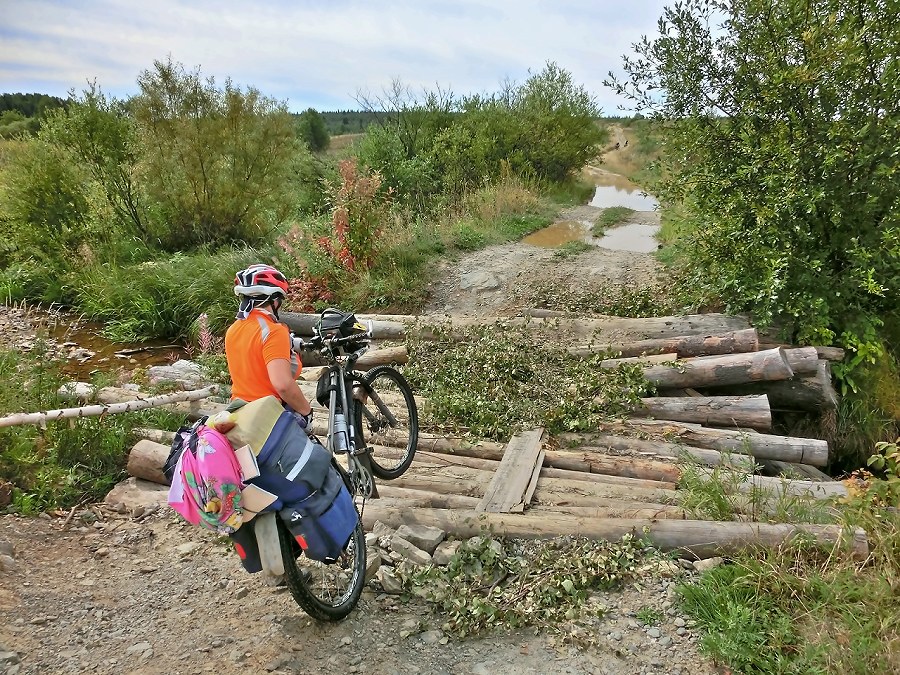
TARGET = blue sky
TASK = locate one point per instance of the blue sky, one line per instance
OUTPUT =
(319, 54)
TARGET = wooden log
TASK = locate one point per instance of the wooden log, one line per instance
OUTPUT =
(651, 359)
(599, 444)
(375, 357)
(721, 411)
(425, 498)
(811, 393)
(732, 342)
(695, 538)
(773, 467)
(705, 371)
(580, 468)
(608, 328)
(763, 446)
(621, 509)
(453, 479)
(193, 409)
(131, 404)
(146, 461)
(777, 486)
(612, 465)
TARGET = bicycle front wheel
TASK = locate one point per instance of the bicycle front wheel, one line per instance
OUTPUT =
(387, 420)
(327, 592)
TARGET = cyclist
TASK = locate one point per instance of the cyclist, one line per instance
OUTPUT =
(258, 346)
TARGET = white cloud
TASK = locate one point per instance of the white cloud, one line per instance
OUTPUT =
(317, 53)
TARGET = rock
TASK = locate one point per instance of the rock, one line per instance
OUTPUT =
(8, 658)
(665, 641)
(388, 580)
(679, 622)
(186, 549)
(7, 563)
(424, 537)
(654, 633)
(373, 564)
(379, 529)
(182, 371)
(707, 564)
(409, 552)
(431, 637)
(80, 391)
(445, 551)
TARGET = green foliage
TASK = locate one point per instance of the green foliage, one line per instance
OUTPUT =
(161, 298)
(801, 609)
(492, 584)
(311, 128)
(61, 463)
(101, 137)
(571, 248)
(613, 300)
(783, 124)
(217, 162)
(649, 616)
(543, 129)
(520, 381)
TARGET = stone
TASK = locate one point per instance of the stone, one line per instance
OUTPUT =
(7, 563)
(187, 548)
(373, 564)
(379, 529)
(424, 537)
(409, 551)
(445, 551)
(707, 564)
(6, 548)
(388, 580)
(654, 632)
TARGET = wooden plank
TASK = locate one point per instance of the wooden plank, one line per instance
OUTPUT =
(513, 477)
(529, 491)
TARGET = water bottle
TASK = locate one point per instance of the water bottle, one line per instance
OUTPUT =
(339, 433)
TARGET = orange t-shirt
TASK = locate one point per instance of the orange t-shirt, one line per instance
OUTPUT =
(250, 344)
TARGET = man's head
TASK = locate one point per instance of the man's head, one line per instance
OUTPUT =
(259, 285)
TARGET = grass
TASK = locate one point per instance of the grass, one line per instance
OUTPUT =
(803, 609)
(571, 248)
(799, 608)
(610, 217)
(62, 463)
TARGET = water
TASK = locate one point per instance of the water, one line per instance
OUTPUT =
(89, 352)
(612, 190)
(638, 237)
(610, 195)
(560, 233)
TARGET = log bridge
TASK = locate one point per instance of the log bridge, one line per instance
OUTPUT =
(717, 387)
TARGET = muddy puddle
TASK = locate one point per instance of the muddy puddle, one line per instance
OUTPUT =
(560, 233)
(637, 237)
(612, 190)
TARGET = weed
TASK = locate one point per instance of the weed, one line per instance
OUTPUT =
(571, 248)
(521, 379)
(610, 217)
(493, 583)
(649, 616)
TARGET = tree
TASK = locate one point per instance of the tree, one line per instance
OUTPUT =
(218, 162)
(311, 128)
(783, 123)
(100, 133)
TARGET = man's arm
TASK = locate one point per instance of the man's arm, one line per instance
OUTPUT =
(282, 379)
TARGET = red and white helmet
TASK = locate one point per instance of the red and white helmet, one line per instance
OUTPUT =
(260, 281)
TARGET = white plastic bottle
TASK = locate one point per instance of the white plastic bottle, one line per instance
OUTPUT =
(340, 433)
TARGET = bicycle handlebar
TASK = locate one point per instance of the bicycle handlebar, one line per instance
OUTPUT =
(298, 344)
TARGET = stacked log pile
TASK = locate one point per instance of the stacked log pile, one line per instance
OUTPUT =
(714, 408)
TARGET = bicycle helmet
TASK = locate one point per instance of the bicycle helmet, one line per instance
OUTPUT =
(257, 285)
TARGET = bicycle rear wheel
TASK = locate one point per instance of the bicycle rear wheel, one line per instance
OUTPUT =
(327, 592)
(387, 420)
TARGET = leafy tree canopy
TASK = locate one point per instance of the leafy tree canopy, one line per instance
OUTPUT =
(784, 124)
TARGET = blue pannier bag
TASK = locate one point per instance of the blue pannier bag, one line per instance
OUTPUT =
(323, 524)
(314, 501)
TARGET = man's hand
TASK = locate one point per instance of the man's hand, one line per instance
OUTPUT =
(305, 420)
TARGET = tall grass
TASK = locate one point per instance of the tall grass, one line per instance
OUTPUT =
(62, 463)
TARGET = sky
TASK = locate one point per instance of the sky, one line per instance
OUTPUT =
(322, 54)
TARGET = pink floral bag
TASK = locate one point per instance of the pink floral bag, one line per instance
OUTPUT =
(206, 485)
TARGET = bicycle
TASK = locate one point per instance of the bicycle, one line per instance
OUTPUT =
(367, 412)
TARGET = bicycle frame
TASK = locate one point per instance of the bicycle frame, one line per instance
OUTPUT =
(341, 378)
